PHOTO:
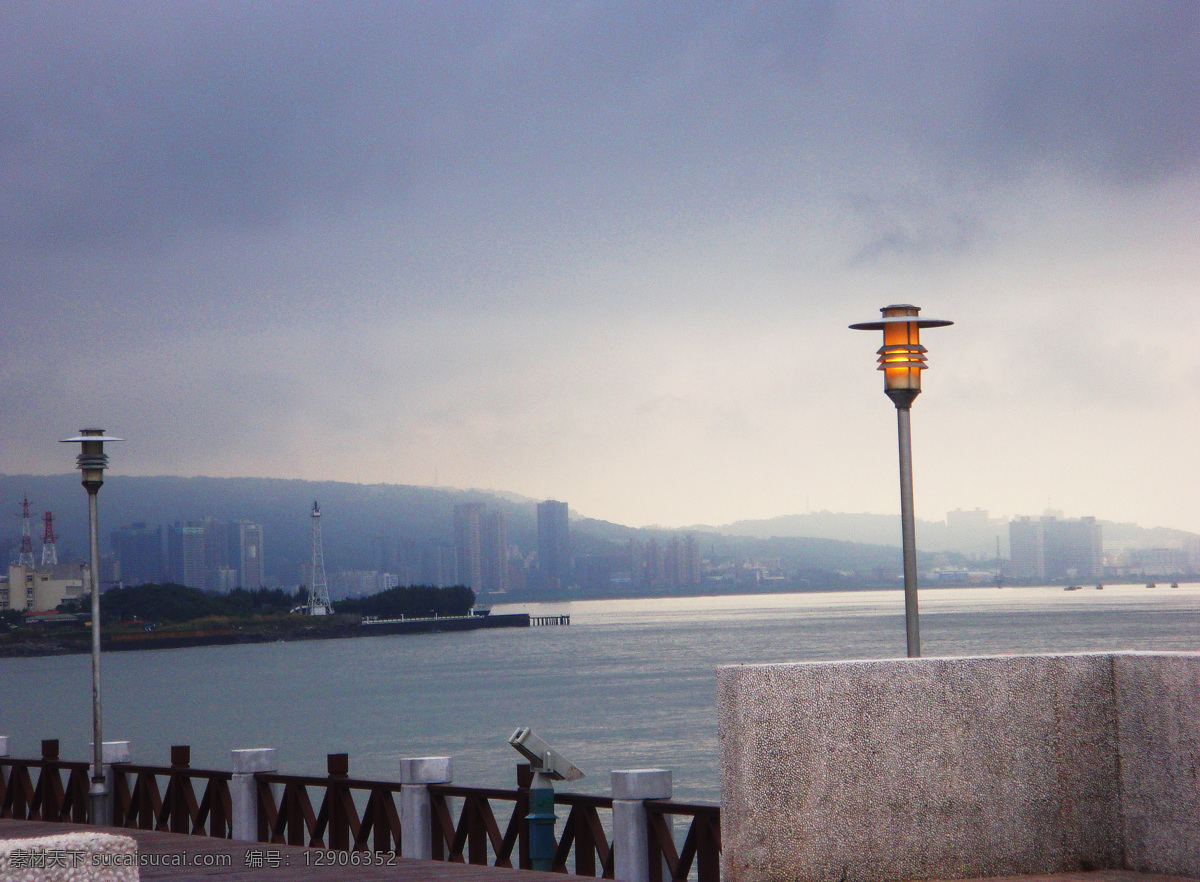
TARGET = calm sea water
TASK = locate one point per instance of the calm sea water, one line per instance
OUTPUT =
(630, 684)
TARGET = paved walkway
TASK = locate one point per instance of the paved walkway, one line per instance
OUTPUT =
(1091, 876)
(181, 858)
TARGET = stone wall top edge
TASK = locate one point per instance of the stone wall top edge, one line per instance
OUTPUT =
(962, 658)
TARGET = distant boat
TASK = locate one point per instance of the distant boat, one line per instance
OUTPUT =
(1072, 588)
(1151, 585)
(1099, 587)
(1174, 584)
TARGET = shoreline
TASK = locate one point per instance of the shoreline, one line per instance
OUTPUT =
(76, 643)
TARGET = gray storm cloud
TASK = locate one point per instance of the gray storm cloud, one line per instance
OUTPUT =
(129, 121)
(263, 214)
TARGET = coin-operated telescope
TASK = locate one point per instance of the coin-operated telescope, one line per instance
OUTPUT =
(548, 766)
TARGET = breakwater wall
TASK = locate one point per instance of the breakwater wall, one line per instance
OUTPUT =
(61, 642)
(446, 623)
(164, 640)
(949, 768)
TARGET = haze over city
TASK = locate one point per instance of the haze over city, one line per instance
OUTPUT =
(608, 252)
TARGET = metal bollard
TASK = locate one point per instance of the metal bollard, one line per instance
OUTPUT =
(541, 817)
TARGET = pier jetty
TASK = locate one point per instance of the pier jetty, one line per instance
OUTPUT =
(75, 639)
(549, 621)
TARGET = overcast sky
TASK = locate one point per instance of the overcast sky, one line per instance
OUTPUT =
(608, 252)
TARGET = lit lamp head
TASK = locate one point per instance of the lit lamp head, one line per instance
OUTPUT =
(902, 357)
(92, 461)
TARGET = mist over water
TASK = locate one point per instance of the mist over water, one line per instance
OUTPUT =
(629, 684)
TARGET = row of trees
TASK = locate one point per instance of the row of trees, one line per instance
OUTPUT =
(412, 600)
(177, 603)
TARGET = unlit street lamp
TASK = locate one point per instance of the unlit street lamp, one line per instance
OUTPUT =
(902, 358)
(92, 462)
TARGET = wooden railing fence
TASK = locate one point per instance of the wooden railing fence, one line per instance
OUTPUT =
(584, 847)
(337, 823)
(49, 798)
(138, 801)
(361, 815)
(701, 844)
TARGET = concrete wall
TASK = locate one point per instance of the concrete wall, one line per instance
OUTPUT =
(960, 768)
(1158, 740)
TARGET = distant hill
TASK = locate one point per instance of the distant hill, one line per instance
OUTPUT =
(871, 529)
(933, 536)
(353, 515)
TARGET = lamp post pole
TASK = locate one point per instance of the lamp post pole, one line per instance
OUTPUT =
(908, 530)
(91, 462)
(902, 358)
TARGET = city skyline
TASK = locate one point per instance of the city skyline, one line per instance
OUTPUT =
(382, 543)
(609, 252)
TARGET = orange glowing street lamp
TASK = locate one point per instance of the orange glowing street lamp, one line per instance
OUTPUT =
(902, 358)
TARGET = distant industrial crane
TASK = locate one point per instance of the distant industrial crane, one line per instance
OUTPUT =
(318, 592)
(26, 556)
(49, 550)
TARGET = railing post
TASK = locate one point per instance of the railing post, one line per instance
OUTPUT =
(631, 829)
(181, 761)
(337, 766)
(416, 808)
(243, 789)
(524, 782)
(4, 754)
(43, 787)
(110, 752)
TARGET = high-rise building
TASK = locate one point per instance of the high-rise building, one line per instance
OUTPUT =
(223, 580)
(1025, 540)
(673, 563)
(1191, 546)
(655, 565)
(221, 552)
(691, 561)
(493, 546)
(967, 521)
(554, 545)
(468, 551)
(185, 555)
(437, 564)
(1054, 548)
(1072, 548)
(251, 575)
(139, 553)
(1158, 561)
(402, 558)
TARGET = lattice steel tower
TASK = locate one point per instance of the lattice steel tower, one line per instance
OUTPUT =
(49, 550)
(26, 557)
(318, 592)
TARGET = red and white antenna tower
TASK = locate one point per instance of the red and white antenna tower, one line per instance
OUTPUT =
(49, 550)
(26, 557)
